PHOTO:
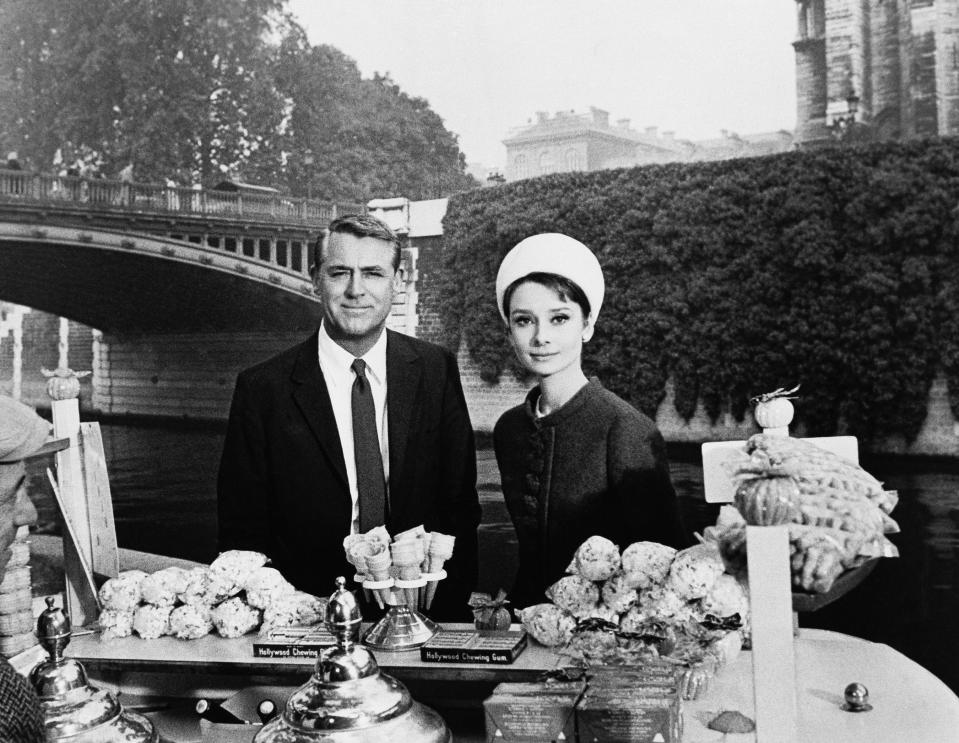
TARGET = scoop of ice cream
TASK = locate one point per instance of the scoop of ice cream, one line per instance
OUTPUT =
(151, 621)
(200, 588)
(647, 563)
(310, 609)
(575, 594)
(662, 603)
(634, 620)
(547, 624)
(263, 585)
(595, 559)
(378, 537)
(297, 609)
(162, 587)
(116, 623)
(221, 587)
(695, 570)
(123, 592)
(234, 618)
(617, 593)
(726, 597)
(235, 565)
(191, 622)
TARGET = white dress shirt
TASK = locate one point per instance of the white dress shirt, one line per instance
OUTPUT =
(336, 364)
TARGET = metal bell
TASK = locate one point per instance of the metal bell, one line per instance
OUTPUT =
(348, 699)
(72, 708)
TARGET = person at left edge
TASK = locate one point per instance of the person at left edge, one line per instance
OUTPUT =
(287, 479)
(22, 433)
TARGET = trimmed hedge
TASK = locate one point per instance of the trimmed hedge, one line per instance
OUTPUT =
(835, 268)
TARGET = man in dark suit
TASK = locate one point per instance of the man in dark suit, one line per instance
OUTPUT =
(293, 480)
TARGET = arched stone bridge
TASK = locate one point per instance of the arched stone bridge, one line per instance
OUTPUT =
(184, 287)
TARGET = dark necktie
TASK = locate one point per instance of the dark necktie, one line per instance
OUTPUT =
(370, 481)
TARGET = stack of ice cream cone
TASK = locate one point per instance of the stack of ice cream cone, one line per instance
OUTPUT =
(378, 576)
(405, 570)
(407, 558)
(16, 615)
(357, 549)
(440, 550)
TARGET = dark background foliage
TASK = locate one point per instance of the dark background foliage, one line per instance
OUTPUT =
(835, 268)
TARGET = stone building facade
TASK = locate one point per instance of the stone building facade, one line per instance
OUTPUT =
(568, 141)
(886, 69)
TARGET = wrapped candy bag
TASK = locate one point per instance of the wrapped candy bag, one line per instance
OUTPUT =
(490, 613)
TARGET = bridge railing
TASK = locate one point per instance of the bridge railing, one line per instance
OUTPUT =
(100, 193)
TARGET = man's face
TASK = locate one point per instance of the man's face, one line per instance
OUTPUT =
(16, 508)
(356, 283)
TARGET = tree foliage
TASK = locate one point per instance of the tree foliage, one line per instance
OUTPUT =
(197, 89)
(180, 88)
(367, 137)
(837, 269)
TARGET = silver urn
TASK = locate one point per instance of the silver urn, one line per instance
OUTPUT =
(73, 710)
(348, 699)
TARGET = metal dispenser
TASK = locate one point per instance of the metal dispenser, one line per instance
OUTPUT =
(73, 709)
(348, 699)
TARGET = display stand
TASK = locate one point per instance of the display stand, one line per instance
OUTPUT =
(82, 490)
(770, 593)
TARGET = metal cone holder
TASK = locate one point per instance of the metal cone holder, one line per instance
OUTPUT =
(403, 627)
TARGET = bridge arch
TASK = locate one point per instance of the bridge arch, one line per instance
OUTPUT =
(122, 282)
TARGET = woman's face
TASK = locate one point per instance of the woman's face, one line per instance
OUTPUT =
(547, 331)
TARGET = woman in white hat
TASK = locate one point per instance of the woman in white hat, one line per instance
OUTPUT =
(575, 459)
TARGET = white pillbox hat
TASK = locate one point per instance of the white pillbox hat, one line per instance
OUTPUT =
(553, 252)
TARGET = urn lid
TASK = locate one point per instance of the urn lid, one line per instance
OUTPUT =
(72, 708)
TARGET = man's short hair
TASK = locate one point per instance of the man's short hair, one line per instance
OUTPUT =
(358, 225)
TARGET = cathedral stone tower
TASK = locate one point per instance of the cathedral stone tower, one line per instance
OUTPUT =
(892, 66)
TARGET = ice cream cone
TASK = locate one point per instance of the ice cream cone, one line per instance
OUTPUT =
(378, 537)
(425, 540)
(357, 550)
(431, 586)
(378, 568)
(415, 533)
(410, 572)
(441, 549)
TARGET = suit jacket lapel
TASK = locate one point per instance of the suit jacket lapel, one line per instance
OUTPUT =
(311, 396)
(403, 370)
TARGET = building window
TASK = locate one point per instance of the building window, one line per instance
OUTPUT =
(812, 19)
(546, 162)
(521, 167)
(573, 160)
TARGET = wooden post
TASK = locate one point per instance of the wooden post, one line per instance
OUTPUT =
(771, 620)
(770, 591)
(81, 602)
(105, 555)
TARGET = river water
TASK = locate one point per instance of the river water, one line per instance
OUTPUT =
(163, 482)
